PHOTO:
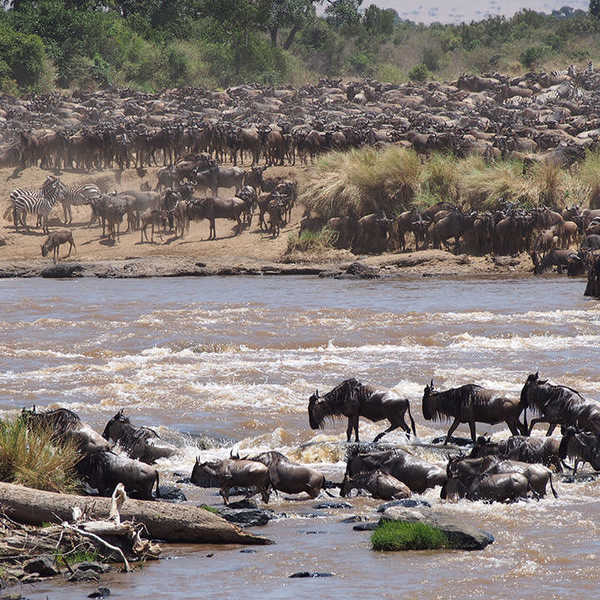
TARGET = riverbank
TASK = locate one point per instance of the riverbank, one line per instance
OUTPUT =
(427, 263)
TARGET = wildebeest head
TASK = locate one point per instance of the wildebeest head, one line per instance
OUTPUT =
(316, 414)
(427, 394)
(205, 474)
(530, 383)
(114, 427)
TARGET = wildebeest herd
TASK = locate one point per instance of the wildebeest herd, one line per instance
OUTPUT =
(505, 470)
(273, 198)
(536, 114)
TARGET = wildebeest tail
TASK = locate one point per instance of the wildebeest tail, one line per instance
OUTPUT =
(552, 487)
(412, 421)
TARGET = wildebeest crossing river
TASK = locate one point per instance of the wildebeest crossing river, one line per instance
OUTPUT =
(215, 361)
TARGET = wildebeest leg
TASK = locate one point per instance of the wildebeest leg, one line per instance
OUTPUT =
(225, 494)
(551, 429)
(452, 428)
(472, 428)
(512, 425)
(575, 467)
(390, 428)
(533, 423)
(349, 429)
(356, 428)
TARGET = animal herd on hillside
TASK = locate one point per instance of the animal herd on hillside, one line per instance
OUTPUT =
(514, 468)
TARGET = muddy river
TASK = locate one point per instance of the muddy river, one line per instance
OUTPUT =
(222, 363)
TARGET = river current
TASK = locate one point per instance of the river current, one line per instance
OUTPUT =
(216, 364)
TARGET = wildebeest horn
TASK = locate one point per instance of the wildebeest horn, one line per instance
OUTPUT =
(431, 383)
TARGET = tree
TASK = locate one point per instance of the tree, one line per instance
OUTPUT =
(294, 14)
(343, 12)
(595, 8)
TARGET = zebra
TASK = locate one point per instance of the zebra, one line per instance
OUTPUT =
(37, 203)
(77, 195)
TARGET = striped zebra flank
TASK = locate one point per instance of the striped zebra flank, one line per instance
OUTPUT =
(77, 195)
(39, 203)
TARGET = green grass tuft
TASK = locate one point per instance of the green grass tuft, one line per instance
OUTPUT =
(36, 459)
(311, 241)
(402, 535)
(210, 509)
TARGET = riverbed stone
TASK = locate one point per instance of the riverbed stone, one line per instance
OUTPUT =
(44, 566)
(247, 517)
(331, 505)
(406, 503)
(358, 270)
(307, 574)
(461, 535)
(370, 526)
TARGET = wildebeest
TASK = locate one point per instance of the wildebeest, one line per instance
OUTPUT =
(216, 208)
(154, 219)
(501, 487)
(470, 404)
(67, 425)
(55, 240)
(521, 448)
(103, 470)
(559, 405)
(380, 485)
(289, 477)
(582, 447)
(141, 443)
(467, 469)
(352, 399)
(229, 473)
(414, 472)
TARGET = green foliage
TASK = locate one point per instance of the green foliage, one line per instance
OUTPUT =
(402, 535)
(419, 73)
(150, 44)
(210, 509)
(36, 459)
(309, 241)
(533, 55)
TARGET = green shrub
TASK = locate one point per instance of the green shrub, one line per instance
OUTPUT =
(533, 55)
(431, 58)
(402, 535)
(419, 73)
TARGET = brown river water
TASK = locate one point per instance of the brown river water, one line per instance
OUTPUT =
(222, 363)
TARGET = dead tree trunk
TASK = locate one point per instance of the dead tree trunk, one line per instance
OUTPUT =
(176, 523)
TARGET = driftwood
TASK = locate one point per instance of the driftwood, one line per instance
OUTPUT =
(175, 523)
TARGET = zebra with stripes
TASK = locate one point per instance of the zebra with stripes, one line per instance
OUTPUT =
(39, 203)
(77, 195)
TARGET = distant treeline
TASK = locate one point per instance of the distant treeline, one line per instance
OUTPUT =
(155, 44)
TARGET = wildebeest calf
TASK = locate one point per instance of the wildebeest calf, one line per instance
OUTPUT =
(55, 240)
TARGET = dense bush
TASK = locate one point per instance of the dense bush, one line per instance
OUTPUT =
(157, 44)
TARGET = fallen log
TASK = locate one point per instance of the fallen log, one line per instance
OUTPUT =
(176, 523)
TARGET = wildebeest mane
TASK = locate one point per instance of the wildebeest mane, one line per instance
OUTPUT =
(59, 419)
(562, 397)
(444, 406)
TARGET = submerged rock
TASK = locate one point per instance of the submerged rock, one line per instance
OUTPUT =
(455, 441)
(406, 503)
(329, 505)
(170, 493)
(247, 517)
(461, 536)
(371, 526)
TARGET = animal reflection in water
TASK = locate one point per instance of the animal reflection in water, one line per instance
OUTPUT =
(352, 399)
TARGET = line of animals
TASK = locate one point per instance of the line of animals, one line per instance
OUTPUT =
(493, 471)
(546, 234)
(538, 115)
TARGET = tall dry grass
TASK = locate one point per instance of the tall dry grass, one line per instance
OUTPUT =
(395, 179)
(36, 459)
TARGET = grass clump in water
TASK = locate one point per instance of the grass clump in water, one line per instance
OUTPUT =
(210, 509)
(35, 458)
(402, 535)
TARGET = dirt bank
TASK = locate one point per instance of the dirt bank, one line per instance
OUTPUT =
(254, 252)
